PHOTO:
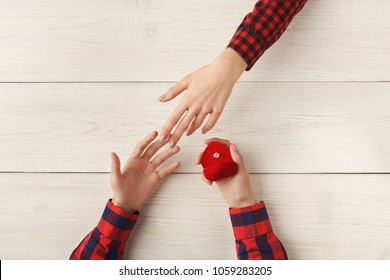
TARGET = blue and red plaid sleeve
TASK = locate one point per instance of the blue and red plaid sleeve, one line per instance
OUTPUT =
(262, 27)
(107, 240)
(255, 239)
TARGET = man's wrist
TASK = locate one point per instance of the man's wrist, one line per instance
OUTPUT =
(250, 222)
(242, 204)
(122, 206)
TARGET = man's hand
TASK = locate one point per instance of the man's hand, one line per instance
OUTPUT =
(208, 90)
(141, 174)
(237, 189)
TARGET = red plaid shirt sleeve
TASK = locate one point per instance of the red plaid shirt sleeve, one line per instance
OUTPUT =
(255, 239)
(107, 240)
(262, 27)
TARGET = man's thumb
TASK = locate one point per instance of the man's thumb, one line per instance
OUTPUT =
(115, 165)
(236, 156)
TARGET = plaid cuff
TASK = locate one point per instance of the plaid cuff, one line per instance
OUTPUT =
(116, 224)
(246, 43)
(262, 27)
(251, 221)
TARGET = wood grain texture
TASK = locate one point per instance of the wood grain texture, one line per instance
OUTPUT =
(45, 216)
(160, 40)
(317, 102)
(279, 127)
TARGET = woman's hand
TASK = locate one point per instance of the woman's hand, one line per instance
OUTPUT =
(208, 90)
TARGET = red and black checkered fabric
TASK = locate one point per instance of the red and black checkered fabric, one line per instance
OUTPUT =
(255, 239)
(262, 27)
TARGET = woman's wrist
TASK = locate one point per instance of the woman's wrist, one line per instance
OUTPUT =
(233, 62)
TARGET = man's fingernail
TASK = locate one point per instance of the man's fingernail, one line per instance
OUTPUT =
(161, 97)
(162, 138)
(172, 144)
(188, 133)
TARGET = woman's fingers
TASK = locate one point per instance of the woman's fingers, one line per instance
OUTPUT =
(175, 90)
(181, 128)
(213, 118)
(180, 110)
(173, 119)
(196, 123)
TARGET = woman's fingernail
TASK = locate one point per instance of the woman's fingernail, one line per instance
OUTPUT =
(161, 97)
(172, 144)
(162, 138)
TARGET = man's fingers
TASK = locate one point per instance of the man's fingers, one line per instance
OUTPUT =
(115, 165)
(168, 169)
(162, 157)
(175, 90)
(173, 119)
(181, 128)
(219, 140)
(199, 159)
(213, 118)
(207, 181)
(236, 156)
(154, 147)
(141, 146)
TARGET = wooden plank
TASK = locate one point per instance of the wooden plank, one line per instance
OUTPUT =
(164, 40)
(44, 216)
(279, 127)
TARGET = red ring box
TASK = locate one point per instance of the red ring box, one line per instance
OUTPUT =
(217, 162)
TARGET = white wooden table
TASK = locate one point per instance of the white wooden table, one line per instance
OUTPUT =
(79, 79)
